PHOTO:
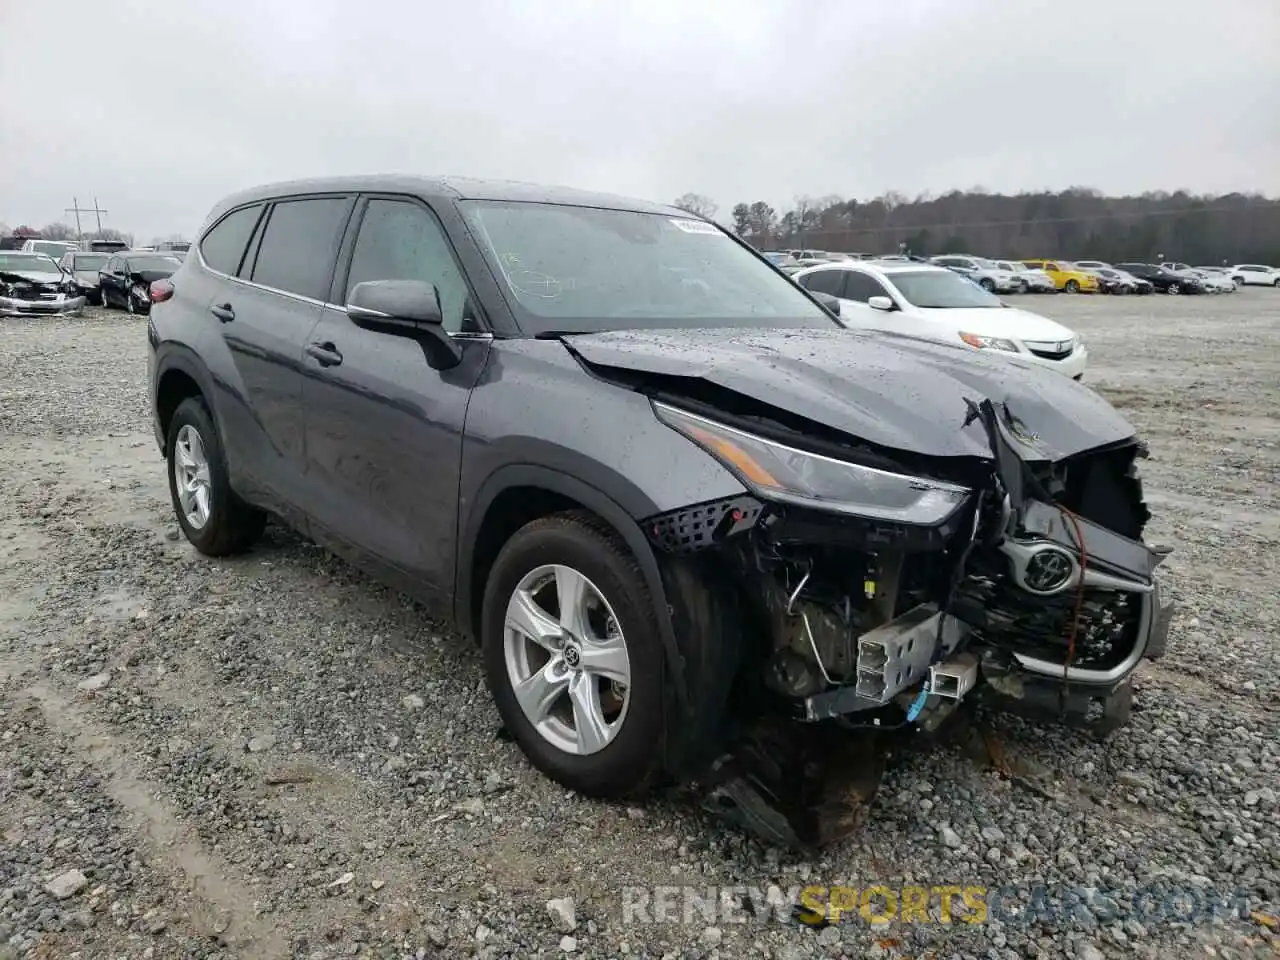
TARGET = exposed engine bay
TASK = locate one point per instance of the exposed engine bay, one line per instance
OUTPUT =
(1034, 589)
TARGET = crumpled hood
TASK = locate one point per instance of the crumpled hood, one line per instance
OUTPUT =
(30, 276)
(897, 392)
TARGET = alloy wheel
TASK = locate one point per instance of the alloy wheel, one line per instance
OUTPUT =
(191, 477)
(567, 659)
(1174, 289)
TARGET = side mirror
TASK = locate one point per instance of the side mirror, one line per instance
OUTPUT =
(405, 308)
(827, 300)
(400, 305)
(882, 303)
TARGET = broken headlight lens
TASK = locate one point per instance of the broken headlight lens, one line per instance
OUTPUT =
(989, 343)
(778, 472)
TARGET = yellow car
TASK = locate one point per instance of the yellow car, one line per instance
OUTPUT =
(1066, 277)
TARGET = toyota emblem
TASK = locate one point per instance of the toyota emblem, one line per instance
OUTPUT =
(1048, 570)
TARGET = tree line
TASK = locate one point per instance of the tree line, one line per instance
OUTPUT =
(62, 231)
(1077, 223)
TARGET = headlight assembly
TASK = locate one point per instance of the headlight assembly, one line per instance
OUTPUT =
(778, 472)
(989, 343)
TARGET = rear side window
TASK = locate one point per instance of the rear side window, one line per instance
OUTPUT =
(223, 246)
(824, 281)
(297, 249)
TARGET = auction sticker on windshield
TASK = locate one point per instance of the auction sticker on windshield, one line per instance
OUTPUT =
(696, 226)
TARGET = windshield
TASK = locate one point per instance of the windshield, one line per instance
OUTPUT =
(49, 247)
(153, 263)
(28, 263)
(584, 269)
(88, 261)
(941, 290)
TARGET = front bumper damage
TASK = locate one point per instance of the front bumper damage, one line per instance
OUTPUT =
(40, 305)
(1038, 594)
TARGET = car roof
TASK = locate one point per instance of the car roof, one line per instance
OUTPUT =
(454, 188)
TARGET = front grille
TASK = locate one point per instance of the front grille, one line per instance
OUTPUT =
(1010, 618)
(1058, 350)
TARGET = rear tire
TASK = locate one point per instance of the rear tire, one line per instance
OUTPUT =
(630, 761)
(230, 526)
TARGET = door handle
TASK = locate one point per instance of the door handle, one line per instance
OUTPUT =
(223, 312)
(326, 354)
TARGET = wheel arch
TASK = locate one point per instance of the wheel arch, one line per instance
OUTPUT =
(179, 375)
(519, 493)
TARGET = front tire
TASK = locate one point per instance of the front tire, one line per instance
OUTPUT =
(987, 285)
(1174, 289)
(1072, 287)
(215, 521)
(573, 656)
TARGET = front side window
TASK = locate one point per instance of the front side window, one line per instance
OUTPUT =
(297, 249)
(941, 290)
(223, 246)
(399, 240)
(581, 269)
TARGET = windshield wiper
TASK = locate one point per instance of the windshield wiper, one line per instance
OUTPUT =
(557, 334)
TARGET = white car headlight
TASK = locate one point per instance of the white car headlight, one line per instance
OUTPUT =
(989, 343)
(775, 471)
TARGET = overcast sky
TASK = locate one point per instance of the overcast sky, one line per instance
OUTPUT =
(161, 107)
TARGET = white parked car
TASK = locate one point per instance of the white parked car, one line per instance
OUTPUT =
(1222, 272)
(53, 249)
(982, 272)
(1211, 282)
(934, 303)
(1215, 282)
(1033, 280)
(1256, 275)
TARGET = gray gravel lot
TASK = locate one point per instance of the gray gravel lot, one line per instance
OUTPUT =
(273, 756)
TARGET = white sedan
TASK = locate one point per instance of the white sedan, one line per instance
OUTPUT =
(936, 304)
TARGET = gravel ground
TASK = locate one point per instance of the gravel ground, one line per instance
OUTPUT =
(273, 756)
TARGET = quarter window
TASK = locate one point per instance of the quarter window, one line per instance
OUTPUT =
(297, 249)
(400, 240)
(223, 246)
(824, 281)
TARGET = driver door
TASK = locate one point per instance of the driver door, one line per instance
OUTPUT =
(384, 430)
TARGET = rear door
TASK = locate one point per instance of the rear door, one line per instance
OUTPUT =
(266, 311)
(383, 428)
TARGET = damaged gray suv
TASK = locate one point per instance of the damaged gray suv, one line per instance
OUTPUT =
(701, 533)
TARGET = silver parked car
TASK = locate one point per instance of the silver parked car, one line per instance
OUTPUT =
(982, 272)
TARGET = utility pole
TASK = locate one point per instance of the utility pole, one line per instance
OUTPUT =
(77, 210)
